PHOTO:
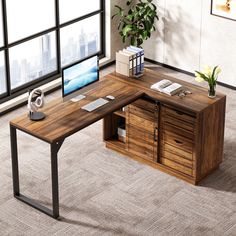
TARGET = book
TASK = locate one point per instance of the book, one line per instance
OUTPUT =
(172, 89)
(159, 86)
(124, 58)
(139, 55)
(167, 87)
(123, 68)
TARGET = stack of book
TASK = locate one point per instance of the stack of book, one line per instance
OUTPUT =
(130, 61)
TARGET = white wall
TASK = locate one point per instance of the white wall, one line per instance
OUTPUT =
(189, 36)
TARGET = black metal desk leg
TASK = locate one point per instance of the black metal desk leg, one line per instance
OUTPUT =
(54, 170)
(55, 147)
(14, 159)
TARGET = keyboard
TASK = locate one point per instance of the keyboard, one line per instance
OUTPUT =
(95, 104)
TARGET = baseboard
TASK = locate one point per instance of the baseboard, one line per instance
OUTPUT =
(169, 67)
(185, 72)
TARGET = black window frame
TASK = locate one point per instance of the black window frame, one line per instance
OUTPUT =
(12, 93)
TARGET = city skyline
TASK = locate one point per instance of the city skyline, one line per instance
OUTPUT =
(24, 70)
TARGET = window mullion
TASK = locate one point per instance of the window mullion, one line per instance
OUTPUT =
(58, 47)
(5, 38)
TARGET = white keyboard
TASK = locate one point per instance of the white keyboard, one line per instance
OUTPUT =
(95, 104)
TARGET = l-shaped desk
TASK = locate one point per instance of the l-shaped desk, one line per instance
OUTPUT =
(181, 136)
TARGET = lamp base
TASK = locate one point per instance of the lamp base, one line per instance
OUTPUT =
(36, 116)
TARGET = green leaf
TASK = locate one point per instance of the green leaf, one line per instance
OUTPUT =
(202, 76)
(144, 34)
(129, 17)
(213, 79)
(127, 29)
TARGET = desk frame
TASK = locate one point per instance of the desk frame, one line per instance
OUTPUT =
(55, 147)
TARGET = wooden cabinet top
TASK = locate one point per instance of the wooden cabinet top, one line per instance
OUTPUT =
(193, 103)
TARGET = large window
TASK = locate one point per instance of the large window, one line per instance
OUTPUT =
(29, 17)
(32, 59)
(38, 38)
(72, 9)
(80, 39)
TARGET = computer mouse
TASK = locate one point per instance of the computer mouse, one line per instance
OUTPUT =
(110, 97)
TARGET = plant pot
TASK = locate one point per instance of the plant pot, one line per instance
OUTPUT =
(212, 91)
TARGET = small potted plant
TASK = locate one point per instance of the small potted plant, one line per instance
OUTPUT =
(137, 22)
(210, 75)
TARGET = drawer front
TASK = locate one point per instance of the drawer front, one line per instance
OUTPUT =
(172, 149)
(146, 105)
(173, 165)
(178, 130)
(177, 141)
(179, 115)
(142, 123)
(141, 149)
(174, 122)
(148, 115)
(178, 159)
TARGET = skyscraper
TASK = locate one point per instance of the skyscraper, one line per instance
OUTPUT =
(83, 44)
(45, 50)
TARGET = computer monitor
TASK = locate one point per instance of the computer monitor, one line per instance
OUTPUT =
(77, 77)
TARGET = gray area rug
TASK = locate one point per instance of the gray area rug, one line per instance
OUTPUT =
(105, 193)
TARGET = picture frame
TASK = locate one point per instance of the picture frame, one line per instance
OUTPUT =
(224, 8)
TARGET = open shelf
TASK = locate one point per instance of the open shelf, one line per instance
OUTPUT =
(116, 142)
(120, 113)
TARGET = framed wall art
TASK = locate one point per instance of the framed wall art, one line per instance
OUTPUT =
(224, 8)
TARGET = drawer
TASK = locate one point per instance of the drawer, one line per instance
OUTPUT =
(172, 149)
(177, 130)
(142, 123)
(176, 166)
(141, 149)
(146, 105)
(145, 114)
(177, 141)
(178, 116)
(178, 159)
(174, 122)
(140, 135)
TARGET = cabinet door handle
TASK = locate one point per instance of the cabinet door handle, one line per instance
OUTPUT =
(155, 134)
(177, 141)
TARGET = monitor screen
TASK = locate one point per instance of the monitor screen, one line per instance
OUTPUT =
(80, 75)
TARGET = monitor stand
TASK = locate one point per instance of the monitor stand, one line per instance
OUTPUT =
(78, 98)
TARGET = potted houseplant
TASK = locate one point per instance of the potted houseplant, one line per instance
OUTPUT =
(210, 75)
(137, 22)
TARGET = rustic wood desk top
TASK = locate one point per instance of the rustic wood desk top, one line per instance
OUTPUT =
(65, 118)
